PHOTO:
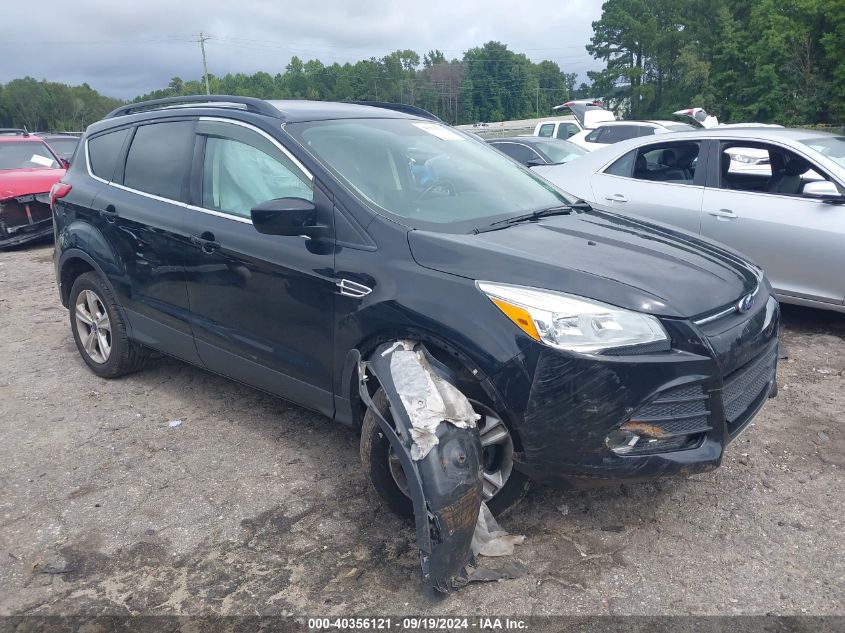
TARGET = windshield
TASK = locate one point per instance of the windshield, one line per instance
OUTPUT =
(428, 174)
(831, 146)
(26, 155)
(560, 151)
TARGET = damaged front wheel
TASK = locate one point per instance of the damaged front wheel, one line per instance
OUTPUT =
(503, 486)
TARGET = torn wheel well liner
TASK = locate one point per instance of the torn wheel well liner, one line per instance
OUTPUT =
(467, 373)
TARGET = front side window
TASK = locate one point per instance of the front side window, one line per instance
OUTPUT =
(26, 155)
(765, 169)
(428, 174)
(242, 168)
(158, 158)
(104, 152)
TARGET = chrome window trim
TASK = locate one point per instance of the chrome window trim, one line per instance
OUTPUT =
(185, 205)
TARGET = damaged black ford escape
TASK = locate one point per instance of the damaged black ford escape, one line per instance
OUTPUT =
(281, 242)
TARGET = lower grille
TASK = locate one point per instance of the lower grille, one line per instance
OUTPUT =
(747, 384)
(673, 421)
(679, 411)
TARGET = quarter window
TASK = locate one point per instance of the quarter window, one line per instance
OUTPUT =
(242, 169)
(104, 152)
(158, 158)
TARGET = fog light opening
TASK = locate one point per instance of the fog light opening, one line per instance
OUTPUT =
(622, 441)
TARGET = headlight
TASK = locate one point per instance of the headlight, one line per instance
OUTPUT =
(570, 322)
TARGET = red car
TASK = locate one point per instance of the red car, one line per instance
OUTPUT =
(28, 169)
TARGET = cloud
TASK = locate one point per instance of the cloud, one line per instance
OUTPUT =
(126, 49)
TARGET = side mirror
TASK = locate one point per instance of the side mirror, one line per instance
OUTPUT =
(822, 190)
(288, 216)
(65, 163)
(535, 162)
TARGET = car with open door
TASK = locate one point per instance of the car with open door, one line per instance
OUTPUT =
(480, 327)
(777, 195)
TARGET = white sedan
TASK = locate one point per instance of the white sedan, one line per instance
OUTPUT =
(775, 194)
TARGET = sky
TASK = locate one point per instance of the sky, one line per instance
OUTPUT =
(124, 49)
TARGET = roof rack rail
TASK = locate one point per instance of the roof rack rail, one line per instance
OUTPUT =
(13, 131)
(401, 107)
(252, 104)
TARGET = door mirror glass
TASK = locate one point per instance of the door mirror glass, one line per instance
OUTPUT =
(287, 216)
(822, 190)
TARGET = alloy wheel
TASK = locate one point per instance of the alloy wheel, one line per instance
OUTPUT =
(93, 326)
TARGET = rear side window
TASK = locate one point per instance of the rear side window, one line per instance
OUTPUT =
(517, 151)
(158, 158)
(565, 130)
(547, 129)
(623, 166)
(104, 152)
(616, 133)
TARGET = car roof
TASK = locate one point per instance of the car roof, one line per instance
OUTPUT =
(5, 138)
(298, 110)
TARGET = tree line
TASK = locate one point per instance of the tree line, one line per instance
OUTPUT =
(743, 60)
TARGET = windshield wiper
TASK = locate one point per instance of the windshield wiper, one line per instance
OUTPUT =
(526, 217)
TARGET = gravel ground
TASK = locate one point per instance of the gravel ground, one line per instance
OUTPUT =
(255, 506)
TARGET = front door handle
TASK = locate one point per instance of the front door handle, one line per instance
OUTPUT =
(616, 197)
(727, 214)
(110, 214)
(206, 243)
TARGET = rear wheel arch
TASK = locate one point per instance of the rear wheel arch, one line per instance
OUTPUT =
(72, 265)
(70, 270)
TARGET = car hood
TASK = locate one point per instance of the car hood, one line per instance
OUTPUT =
(20, 182)
(619, 260)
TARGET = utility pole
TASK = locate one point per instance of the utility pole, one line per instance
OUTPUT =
(538, 100)
(203, 38)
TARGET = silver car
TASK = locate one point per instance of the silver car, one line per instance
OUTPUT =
(774, 194)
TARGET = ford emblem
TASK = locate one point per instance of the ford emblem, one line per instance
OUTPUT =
(745, 303)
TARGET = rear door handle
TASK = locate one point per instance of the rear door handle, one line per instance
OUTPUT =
(206, 243)
(723, 213)
(110, 214)
(616, 197)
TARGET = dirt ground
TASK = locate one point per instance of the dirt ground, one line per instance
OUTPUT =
(255, 506)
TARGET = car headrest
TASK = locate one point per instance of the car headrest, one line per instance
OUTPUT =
(796, 166)
(669, 158)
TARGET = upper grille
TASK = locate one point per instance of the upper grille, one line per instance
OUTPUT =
(744, 386)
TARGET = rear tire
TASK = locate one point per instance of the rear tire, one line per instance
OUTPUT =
(99, 330)
(375, 459)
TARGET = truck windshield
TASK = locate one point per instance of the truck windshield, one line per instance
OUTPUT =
(429, 175)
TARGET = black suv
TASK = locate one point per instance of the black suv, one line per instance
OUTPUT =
(281, 243)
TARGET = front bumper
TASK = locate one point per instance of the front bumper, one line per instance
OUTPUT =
(686, 404)
(25, 219)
